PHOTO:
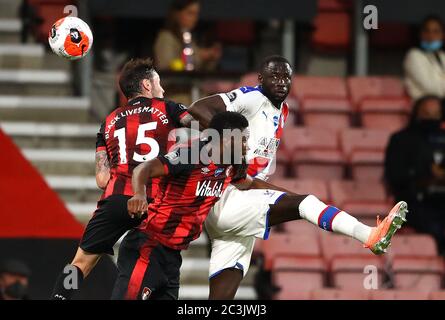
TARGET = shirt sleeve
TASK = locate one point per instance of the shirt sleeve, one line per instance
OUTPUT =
(234, 100)
(100, 139)
(176, 111)
(176, 162)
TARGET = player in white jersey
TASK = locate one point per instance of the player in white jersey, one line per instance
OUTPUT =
(241, 216)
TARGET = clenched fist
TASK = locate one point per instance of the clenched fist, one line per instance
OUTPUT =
(137, 205)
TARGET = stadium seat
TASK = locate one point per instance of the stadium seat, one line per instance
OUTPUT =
(309, 87)
(397, 295)
(383, 113)
(413, 246)
(315, 152)
(318, 188)
(345, 193)
(364, 150)
(438, 295)
(351, 273)
(49, 11)
(301, 245)
(361, 88)
(297, 275)
(326, 113)
(417, 274)
(333, 294)
(302, 227)
(333, 5)
(332, 32)
(336, 245)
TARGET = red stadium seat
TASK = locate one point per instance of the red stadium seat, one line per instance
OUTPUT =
(302, 227)
(333, 294)
(49, 11)
(364, 150)
(413, 246)
(418, 274)
(367, 165)
(326, 113)
(438, 295)
(319, 87)
(297, 275)
(367, 212)
(301, 245)
(336, 246)
(315, 153)
(397, 295)
(361, 88)
(388, 114)
(355, 140)
(349, 273)
(345, 193)
(318, 188)
(332, 32)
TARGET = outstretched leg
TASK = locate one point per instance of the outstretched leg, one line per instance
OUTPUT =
(292, 207)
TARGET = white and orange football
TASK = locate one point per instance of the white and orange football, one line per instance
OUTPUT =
(70, 38)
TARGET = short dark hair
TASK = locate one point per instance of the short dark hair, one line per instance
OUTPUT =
(273, 58)
(228, 120)
(133, 72)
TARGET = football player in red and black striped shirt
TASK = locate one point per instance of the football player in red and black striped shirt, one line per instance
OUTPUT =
(134, 133)
(187, 192)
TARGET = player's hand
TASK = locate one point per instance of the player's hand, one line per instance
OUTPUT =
(137, 205)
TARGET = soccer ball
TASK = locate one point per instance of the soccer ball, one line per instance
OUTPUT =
(70, 38)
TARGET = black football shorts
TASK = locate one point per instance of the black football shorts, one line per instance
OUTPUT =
(109, 222)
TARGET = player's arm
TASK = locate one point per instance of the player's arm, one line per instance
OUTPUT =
(146, 170)
(102, 169)
(204, 109)
(253, 183)
(102, 163)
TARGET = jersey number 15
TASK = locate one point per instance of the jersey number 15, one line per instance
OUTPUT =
(141, 139)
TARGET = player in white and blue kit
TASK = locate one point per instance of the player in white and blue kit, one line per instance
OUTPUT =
(241, 216)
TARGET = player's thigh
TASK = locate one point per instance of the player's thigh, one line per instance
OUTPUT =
(243, 213)
(109, 222)
(230, 252)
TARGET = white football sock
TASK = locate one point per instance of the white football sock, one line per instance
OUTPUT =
(330, 218)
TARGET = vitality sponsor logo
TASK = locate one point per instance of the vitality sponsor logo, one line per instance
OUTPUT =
(209, 189)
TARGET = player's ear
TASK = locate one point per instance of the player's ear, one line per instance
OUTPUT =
(146, 84)
(260, 78)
